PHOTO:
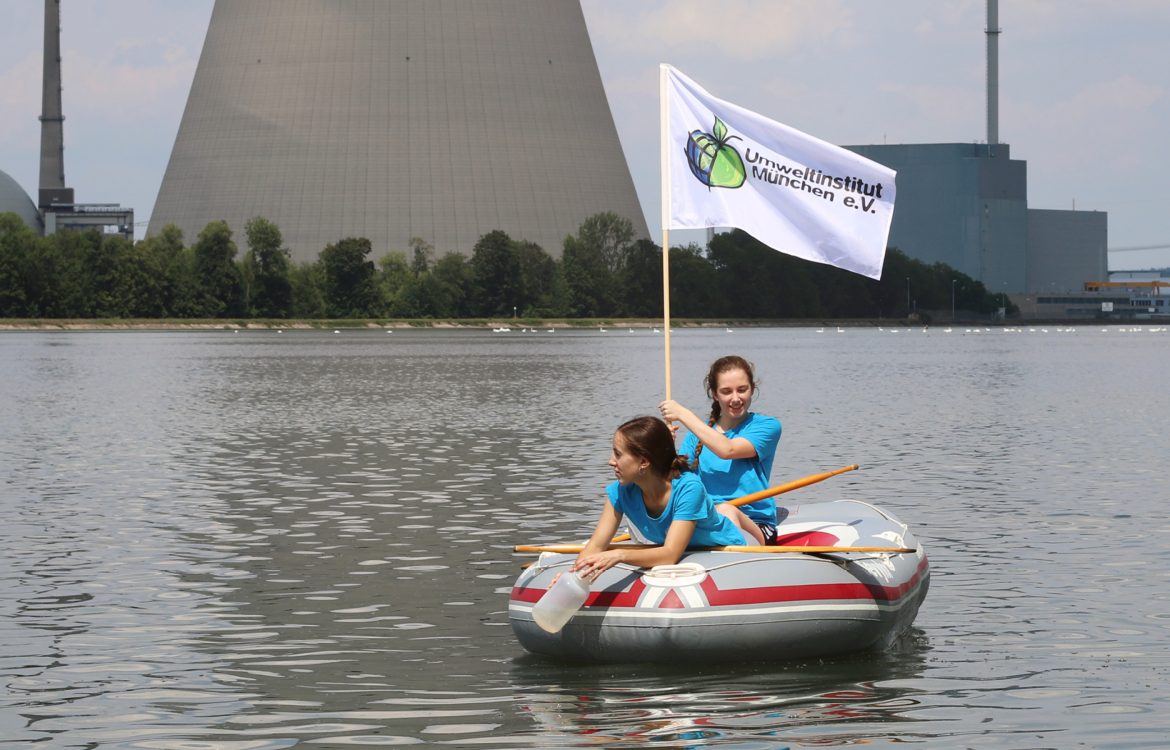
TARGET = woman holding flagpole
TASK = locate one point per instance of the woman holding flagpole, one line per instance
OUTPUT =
(732, 450)
(802, 196)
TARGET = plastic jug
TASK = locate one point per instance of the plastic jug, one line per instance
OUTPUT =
(560, 602)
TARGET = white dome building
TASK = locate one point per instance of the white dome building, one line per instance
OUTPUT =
(14, 199)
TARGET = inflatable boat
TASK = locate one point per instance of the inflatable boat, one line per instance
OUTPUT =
(746, 605)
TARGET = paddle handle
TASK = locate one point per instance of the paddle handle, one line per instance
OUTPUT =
(779, 489)
(795, 484)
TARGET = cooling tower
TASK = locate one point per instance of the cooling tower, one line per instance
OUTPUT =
(393, 119)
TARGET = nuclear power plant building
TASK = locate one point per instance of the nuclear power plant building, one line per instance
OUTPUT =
(395, 119)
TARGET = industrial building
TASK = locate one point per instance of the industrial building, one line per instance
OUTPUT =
(56, 208)
(436, 119)
(966, 205)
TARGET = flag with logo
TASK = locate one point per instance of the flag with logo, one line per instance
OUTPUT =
(725, 166)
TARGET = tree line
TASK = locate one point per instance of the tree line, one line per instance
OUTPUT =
(604, 272)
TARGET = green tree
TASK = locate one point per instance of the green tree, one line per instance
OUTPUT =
(641, 280)
(755, 281)
(60, 277)
(120, 279)
(266, 266)
(425, 297)
(163, 254)
(611, 236)
(452, 274)
(18, 245)
(106, 292)
(538, 273)
(394, 278)
(307, 284)
(351, 290)
(694, 284)
(146, 287)
(592, 263)
(495, 272)
(420, 258)
(743, 289)
(220, 288)
(589, 287)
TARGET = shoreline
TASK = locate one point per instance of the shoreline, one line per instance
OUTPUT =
(178, 324)
(73, 324)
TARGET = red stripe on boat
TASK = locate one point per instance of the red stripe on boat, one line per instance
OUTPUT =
(717, 597)
(627, 598)
(617, 598)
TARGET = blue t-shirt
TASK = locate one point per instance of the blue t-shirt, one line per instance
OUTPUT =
(688, 502)
(726, 479)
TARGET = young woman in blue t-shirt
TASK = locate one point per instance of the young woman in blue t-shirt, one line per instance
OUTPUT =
(655, 492)
(733, 450)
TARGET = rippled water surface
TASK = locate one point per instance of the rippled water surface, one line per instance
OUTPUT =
(262, 540)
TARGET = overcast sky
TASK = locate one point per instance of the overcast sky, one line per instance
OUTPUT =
(1084, 89)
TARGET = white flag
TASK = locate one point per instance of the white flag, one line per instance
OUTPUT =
(726, 166)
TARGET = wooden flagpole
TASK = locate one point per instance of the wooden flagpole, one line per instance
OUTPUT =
(664, 127)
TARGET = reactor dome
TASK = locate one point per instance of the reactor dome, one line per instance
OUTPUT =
(14, 199)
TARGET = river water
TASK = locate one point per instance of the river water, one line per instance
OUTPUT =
(252, 540)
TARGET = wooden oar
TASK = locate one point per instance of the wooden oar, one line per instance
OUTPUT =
(779, 489)
(809, 549)
(571, 548)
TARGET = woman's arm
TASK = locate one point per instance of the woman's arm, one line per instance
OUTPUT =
(716, 441)
(603, 532)
(677, 539)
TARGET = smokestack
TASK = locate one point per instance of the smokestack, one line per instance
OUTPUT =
(992, 73)
(52, 187)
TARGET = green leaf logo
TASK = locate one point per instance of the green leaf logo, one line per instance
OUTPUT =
(713, 162)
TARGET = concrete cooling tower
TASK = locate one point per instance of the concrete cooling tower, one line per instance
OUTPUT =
(393, 119)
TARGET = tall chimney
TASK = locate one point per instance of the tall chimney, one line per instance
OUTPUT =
(52, 187)
(992, 73)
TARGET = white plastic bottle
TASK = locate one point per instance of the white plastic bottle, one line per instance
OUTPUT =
(560, 602)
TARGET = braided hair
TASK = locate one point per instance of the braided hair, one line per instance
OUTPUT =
(711, 382)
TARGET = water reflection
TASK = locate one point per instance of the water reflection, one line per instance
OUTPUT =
(246, 540)
(825, 702)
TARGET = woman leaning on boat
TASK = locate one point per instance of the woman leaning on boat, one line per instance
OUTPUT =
(655, 493)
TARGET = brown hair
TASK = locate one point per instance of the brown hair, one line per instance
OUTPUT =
(651, 439)
(711, 382)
